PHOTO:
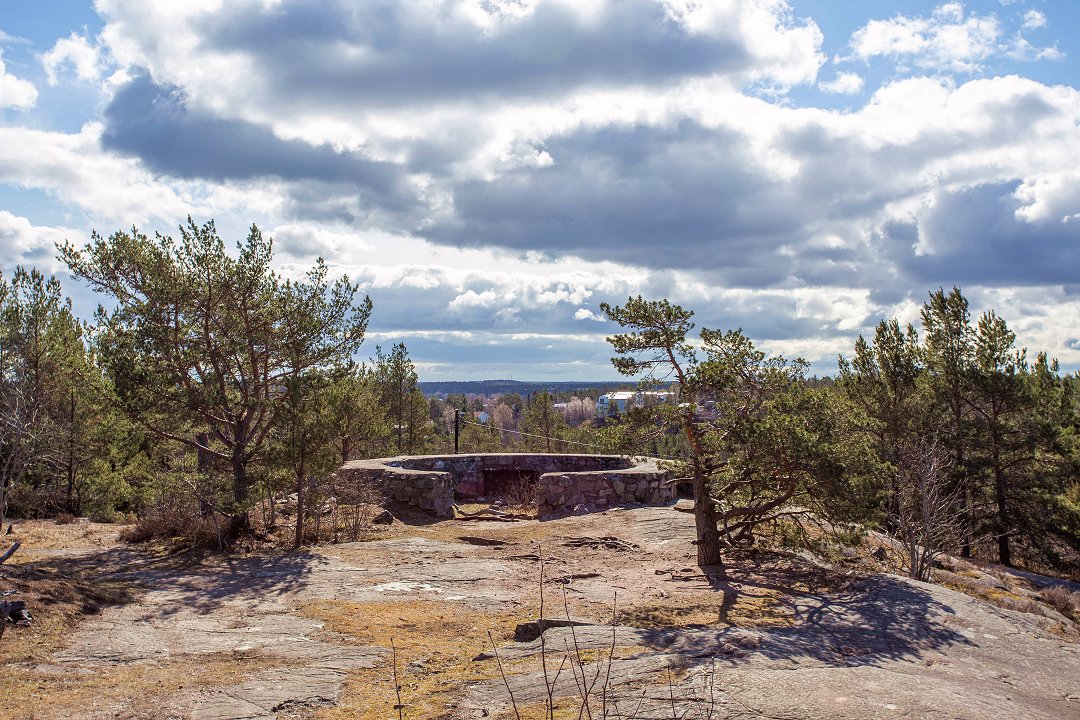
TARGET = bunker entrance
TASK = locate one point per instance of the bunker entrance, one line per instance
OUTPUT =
(510, 483)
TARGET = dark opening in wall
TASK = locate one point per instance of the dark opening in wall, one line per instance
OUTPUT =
(509, 482)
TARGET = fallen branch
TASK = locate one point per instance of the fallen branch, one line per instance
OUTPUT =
(14, 612)
(608, 541)
(483, 542)
(567, 579)
(494, 518)
(9, 552)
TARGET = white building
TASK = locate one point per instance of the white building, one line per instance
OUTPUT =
(617, 403)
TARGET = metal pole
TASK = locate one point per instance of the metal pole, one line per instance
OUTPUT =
(457, 424)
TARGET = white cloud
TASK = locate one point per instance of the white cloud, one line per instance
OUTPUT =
(74, 169)
(587, 314)
(282, 65)
(22, 243)
(471, 299)
(945, 40)
(308, 241)
(1034, 19)
(845, 83)
(15, 92)
(74, 52)
(948, 41)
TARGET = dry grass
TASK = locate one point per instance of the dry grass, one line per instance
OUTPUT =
(59, 598)
(58, 601)
(140, 689)
(758, 609)
(48, 535)
(435, 642)
(1065, 602)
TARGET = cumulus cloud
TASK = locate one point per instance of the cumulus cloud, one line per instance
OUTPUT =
(1034, 19)
(153, 123)
(948, 40)
(587, 314)
(845, 83)
(393, 53)
(77, 170)
(22, 243)
(491, 172)
(74, 53)
(15, 92)
(945, 40)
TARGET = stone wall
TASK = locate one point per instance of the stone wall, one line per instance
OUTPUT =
(645, 483)
(432, 482)
(429, 490)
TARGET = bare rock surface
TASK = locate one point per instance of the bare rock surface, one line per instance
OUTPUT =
(875, 646)
(889, 647)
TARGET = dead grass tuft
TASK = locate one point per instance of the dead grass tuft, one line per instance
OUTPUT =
(435, 641)
(1065, 602)
(49, 535)
(761, 609)
(140, 689)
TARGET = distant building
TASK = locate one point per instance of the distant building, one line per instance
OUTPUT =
(482, 417)
(617, 403)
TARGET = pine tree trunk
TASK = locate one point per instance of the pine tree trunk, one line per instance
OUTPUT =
(708, 536)
(1004, 551)
(300, 473)
(240, 521)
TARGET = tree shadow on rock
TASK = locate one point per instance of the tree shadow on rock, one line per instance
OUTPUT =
(195, 581)
(874, 620)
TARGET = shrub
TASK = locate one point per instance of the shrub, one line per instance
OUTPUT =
(356, 503)
(1059, 598)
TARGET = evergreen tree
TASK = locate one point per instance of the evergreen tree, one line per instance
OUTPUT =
(542, 426)
(948, 353)
(1000, 401)
(882, 380)
(774, 447)
(202, 345)
(407, 412)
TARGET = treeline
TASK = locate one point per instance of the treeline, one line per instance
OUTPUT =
(495, 388)
(205, 388)
(209, 395)
(995, 430)
(948, 440)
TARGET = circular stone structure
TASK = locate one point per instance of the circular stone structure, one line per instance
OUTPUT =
(563, 482)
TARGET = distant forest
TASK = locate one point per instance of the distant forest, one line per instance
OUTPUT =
(523, 388)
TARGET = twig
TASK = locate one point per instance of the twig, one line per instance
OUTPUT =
(640, 700)
(506, 682)
(712, 690)
(549, 687)
(610, 657)
(575, 667)
(9, 552)
(671, 694)
(397, 686)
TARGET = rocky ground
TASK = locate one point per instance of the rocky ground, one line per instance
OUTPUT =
(443, 605)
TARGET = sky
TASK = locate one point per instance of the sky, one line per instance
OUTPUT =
(490, 171)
